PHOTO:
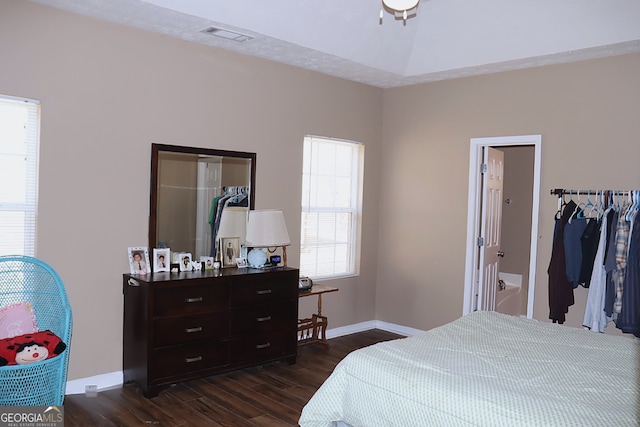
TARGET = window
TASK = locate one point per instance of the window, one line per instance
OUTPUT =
(19, 138)
(332, 173)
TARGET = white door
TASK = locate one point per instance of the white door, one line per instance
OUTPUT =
(472, 263)
(490, 226)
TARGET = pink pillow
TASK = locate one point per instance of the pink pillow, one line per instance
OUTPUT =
(17, 319)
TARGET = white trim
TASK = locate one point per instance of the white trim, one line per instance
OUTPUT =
(115, 379)
(351, 329)
(476, 146)
(372, 324)
(103, 381)
(19, 99)
(347, 141)
(398, 329)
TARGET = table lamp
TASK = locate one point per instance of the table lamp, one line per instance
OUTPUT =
(266, 229)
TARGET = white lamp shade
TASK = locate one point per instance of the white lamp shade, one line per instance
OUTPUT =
(266, 228)
(233, 222)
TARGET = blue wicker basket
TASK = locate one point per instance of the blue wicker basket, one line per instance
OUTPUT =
(42, 383)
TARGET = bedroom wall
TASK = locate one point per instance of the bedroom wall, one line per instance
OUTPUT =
(587, 114)
(107, 92)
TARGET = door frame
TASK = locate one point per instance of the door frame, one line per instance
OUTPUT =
(474, 214)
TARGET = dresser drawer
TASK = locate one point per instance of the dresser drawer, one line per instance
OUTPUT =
(190, 300)
(263, 318)
(261, 292)
(259, 347)
(179, 330)
(171, 361)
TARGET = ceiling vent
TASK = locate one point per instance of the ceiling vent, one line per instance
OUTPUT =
(227, 34)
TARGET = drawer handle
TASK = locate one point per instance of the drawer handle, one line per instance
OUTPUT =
(263, 291)
(267, 345)
(193, 359)
(196, 299)
(191, 330)
(263, 319)
(133, 282)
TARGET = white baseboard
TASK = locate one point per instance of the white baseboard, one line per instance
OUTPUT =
(102, 381)
(351, 329)
(372, 324)
(398, 329)
(115, 379)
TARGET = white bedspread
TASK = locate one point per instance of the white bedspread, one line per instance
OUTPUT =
(485, 369)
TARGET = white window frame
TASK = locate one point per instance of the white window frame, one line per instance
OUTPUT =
(25, 237)
(310, 245)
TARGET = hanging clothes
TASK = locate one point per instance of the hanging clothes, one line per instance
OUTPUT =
(573, 231)
(610, 262)
(629, 317)
(610, 265)
(233, 196)
(589, 244)
(595, 317)
(622, 244)
(560, 288)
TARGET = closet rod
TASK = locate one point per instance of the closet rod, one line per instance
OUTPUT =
(563, 191)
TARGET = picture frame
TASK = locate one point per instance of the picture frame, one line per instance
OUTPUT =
(139, 260)
(230, 250)
(161, 259)
(242, 262)
(185, 261)
(208, 262)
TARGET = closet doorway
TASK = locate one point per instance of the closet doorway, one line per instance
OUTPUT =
(527, 147)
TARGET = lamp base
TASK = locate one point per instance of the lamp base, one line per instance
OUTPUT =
(257, 257)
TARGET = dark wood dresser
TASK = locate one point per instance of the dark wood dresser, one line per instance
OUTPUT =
(181, 326)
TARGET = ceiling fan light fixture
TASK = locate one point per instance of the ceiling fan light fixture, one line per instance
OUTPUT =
(399, 7)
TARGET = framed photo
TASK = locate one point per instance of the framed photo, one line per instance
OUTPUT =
(139, 260)
(185, 261)
(242, 262)
(161, 259)
(208, 262)
(230, 250)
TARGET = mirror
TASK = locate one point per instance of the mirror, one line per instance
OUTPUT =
(186, 185)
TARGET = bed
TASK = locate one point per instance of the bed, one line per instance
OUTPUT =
(485, 369)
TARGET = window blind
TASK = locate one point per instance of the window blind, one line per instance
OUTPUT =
(331, 207)
(19, 140)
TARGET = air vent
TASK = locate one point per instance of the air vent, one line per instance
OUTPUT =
(227, 34)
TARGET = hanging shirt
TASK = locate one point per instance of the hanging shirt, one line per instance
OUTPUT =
(220, 204)
(589, 242)
(573, 248)
(610, 262)
(622, 243)
(560, 288)
(629, 317)
(595, 317)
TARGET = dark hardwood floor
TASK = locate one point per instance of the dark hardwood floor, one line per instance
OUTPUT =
(269, 395)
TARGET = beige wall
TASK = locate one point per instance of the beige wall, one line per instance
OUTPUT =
(109, 91)
(587, 114)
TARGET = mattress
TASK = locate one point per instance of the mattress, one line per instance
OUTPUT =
(485, 369)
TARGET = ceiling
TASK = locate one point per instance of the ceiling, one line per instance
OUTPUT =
(445, 39)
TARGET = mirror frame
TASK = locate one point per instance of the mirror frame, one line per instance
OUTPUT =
(157, 148)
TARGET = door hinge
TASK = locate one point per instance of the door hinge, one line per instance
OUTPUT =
(483, 168)
(480, 241)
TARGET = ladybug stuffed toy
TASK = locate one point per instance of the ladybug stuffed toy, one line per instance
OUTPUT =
(30, 348)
